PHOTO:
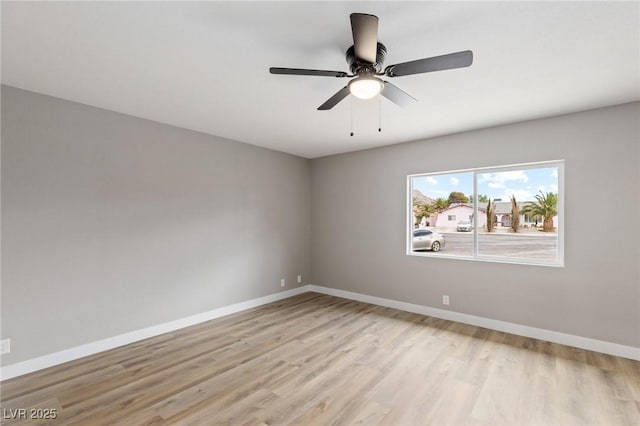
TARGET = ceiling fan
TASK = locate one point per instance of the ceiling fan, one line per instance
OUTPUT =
(365, 58)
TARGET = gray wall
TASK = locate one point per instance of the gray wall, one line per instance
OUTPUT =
(112, 223)
(359, 223)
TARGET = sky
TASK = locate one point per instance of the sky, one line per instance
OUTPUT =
(524, 184)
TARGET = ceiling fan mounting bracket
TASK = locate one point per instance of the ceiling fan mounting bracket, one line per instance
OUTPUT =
(358, 67)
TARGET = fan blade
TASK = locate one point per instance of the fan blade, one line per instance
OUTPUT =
(365, 36)
(302, 71)
(333, 101)
(397, 96)
(436, 63)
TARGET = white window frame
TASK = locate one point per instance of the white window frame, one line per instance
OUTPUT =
(475, 256)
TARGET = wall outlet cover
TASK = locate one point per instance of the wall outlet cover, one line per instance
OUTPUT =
(5, 346)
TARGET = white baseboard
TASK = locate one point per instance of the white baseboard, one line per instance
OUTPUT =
(49, 360)
(616, 349)
(35, 364)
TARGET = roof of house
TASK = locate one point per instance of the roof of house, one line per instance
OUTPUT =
(501, 207)
(467, 205)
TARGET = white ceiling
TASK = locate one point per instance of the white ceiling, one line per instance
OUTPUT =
(204, 65)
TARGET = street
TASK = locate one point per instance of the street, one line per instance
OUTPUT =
(543, 246)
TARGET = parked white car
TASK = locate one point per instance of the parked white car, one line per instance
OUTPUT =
(465, 225)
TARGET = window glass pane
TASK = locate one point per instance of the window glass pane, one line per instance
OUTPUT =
(516, 215)
(518, 218)
(438, 203)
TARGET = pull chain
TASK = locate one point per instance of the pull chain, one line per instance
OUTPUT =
(351, 104)
(379, 114)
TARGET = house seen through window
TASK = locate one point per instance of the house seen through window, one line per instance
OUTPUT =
(507, 214)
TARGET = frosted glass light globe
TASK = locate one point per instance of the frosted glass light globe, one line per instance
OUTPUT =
(365, 87)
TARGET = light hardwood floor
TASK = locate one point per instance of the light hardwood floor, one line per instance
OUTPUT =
(316, 359)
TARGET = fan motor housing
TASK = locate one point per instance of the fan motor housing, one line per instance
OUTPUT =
(357, 67)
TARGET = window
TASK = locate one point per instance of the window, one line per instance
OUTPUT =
(516, 216)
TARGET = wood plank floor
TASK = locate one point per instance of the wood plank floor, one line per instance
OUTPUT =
(316, 359)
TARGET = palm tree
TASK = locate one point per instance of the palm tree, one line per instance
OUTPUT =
(545, 206)
(491, 210)
(515, 214)
(421, 210)
(439, 204)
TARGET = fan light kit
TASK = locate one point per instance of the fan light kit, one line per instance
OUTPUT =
(365, 59)
(365, 87)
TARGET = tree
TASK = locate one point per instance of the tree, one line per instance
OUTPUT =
(545, 206)
(491, 209)
(481, 198)
(515, 214)
(438, 205)
(421, 209)
(457, 197)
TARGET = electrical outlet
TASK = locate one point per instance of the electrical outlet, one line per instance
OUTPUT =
(299, 279)
(5, 346)
(282, 282)
(445, 299)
